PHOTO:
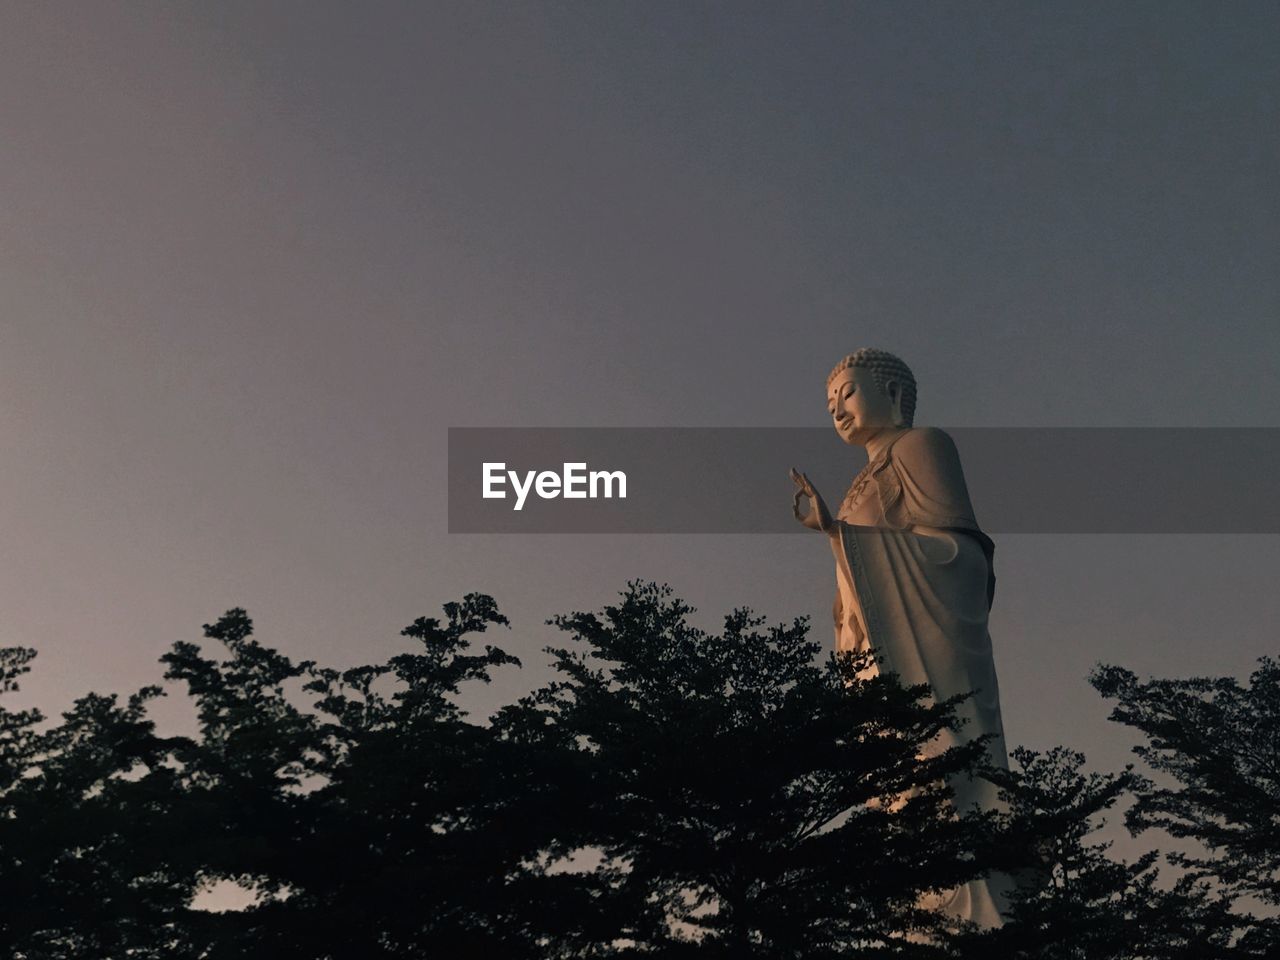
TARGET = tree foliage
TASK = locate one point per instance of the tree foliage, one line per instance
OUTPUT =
(89, 817)
(671, 793)
(1078, 903)
(750, 800)
(1214, 746)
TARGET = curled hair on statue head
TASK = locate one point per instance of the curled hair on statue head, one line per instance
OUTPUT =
(884, 367)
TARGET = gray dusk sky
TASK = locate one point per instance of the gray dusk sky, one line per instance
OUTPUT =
(256, 258)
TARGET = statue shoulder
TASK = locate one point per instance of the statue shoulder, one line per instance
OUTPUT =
(929, 448)
(928, 463)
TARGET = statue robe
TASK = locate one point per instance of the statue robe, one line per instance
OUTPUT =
(915, 586)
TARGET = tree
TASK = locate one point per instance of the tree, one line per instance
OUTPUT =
(1077, 903)
(671, 793)
(750, 801)
(1214, 744)
(90, 814)
(375, 820)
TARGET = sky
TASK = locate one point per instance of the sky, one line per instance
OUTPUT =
(257, 258)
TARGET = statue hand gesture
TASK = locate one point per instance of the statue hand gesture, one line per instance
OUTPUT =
(818, 517)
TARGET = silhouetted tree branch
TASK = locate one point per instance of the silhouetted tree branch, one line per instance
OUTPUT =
(1214, 745)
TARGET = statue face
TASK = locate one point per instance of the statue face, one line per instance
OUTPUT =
(858, 407)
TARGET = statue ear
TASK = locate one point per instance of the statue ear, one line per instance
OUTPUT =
(894, 392)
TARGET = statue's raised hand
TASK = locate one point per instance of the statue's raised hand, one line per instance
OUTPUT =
(818, 517)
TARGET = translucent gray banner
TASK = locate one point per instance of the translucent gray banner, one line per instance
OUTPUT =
(734, 480)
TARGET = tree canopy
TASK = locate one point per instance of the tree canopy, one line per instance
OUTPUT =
(671, 793)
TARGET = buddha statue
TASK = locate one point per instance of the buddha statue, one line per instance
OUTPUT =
(913, 572)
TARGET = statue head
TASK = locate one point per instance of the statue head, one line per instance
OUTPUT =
(869, 391)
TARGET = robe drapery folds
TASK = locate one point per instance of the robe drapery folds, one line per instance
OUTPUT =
(915, 582)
